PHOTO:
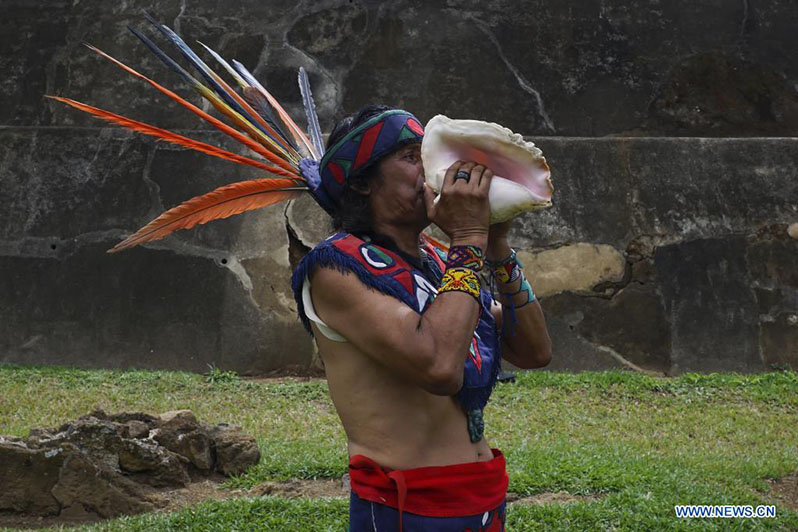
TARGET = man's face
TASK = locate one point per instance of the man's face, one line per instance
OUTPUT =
(398, 195)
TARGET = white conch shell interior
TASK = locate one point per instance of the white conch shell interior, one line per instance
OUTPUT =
(522, 180)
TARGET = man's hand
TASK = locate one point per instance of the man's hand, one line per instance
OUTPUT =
(463, 210)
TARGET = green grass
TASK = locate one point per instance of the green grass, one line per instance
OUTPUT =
(641, 444)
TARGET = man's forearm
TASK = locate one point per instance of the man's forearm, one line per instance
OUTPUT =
(530, 340)
(449, 323)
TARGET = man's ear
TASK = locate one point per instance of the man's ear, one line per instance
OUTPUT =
(364, 189)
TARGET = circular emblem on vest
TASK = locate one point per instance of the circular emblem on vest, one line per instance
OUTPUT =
(375, 256)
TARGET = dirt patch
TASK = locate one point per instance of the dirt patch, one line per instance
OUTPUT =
(175, 499)
(785, 490)
(302, 488)
(9, 520)
(197, 492)
(561, 497)
(193, 494)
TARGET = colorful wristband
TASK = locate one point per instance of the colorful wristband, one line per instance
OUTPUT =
(465, 257)
(460, 280)
(507, 273)
(510, 258)
(525, 287)
(507, 270)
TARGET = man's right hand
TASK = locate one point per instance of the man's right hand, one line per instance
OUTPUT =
(463, 210)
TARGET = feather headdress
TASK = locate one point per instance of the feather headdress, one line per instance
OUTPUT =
(254, 118)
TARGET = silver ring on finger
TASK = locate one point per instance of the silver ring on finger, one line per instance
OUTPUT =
(462, 174)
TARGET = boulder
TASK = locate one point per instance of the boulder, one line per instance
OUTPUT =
(163, 468)
(88, 486)
(180, 432)
(27, 478)
(235, 451)
(102, 465)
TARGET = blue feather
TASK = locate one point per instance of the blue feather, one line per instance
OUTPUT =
(208, 74)
(249, 78)
(165, 58)
(310, 110)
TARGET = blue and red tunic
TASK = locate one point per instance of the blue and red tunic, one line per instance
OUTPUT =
(388, 272)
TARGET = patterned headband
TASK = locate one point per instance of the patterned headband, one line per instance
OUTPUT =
(364, 145)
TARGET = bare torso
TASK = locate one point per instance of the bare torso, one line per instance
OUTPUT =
(392, 421)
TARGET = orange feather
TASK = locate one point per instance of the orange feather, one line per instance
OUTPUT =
(290, 171)
(243, 103)
(163, 134)
(435, 242)
(220, 203)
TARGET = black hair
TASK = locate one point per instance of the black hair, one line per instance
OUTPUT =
(353, 213)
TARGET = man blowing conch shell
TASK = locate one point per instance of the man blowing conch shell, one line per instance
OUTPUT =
(411, 341)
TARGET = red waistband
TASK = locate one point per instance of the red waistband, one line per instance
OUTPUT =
(435, 491)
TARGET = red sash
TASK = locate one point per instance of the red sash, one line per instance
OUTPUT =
(435, 491)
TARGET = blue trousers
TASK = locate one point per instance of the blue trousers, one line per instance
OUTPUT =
(367, 516)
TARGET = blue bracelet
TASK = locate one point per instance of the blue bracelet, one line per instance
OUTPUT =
(525, 286)
(508, 260)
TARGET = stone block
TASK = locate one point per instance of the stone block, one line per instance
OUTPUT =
(628, 330)
(615, 190)
(711, 306)
(80, 311)
(779, 341)
(573, 268)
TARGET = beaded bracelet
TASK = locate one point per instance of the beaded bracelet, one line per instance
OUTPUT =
(465, 257)
(507, 270)
(460, 280)
(510, 258)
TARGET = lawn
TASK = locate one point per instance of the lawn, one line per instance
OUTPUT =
(628, 447)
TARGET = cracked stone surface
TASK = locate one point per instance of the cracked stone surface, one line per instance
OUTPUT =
(663, 252)
(571, 68)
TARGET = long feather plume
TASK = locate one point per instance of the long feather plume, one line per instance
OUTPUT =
(166, 135)
(221, 203)
(258, 102)
(310, 110)
(274, 129)
(263, 110)
(242, 114)
(192, 58)
(297, 133)
(222, 61)
(289, 170)
(214, 80)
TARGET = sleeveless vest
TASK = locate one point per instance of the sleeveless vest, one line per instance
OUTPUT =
(387, 272)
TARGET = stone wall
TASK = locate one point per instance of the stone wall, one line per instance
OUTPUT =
(670, 129)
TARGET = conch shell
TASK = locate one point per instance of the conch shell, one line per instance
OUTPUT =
(521, 180)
